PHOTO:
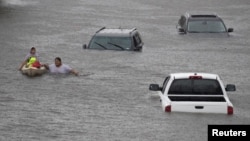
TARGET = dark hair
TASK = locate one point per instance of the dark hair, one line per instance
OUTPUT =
(59, 59)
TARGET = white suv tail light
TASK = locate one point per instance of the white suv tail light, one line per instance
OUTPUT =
(230, 110)
(168, 108)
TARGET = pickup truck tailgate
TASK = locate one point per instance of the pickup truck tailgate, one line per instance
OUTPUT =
(201, 107)
(199, 104)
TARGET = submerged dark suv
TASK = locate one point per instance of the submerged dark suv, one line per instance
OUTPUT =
(202, 23)
(116, 39)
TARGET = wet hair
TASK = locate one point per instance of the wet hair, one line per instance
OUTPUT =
(59, 59)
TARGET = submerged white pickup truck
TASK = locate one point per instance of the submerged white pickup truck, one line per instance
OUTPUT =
(195, 93)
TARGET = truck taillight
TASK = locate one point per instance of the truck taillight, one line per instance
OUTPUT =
(230, 110)
(168, 108)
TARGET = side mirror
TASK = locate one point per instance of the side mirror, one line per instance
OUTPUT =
(230, 30)
(154, 87)
(84, 46)
(230, 87)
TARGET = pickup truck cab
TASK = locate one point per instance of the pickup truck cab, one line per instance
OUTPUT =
(195, 93)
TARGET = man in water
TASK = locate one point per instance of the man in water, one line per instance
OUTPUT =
(58, 67)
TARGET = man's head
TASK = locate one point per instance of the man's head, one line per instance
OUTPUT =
(58, 61)
(33, 50)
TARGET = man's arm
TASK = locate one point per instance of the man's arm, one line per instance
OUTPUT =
(74, 72)
(46, 66)
(23, 63)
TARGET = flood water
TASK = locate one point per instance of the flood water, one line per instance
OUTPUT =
(110, 100)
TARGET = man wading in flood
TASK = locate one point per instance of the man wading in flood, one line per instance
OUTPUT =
(58, 67)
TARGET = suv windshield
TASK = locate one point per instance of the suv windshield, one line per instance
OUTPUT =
(195, 87)
(206, 26)
(111, 43)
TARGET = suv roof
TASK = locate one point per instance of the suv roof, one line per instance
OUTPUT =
(201, 15)
(115, 31)
(188, 74)
(191, 16)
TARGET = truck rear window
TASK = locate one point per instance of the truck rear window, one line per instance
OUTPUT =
(195, 87)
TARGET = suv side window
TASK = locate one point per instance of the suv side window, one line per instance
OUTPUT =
(165, 84)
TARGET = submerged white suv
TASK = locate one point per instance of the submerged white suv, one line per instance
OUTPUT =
(194, 92)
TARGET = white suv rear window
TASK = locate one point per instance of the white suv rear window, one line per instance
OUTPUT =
(195, 87)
